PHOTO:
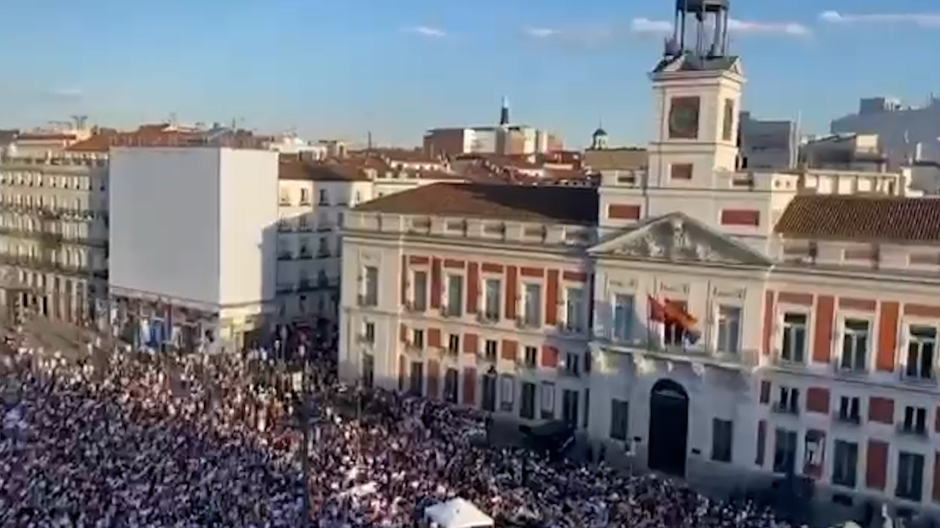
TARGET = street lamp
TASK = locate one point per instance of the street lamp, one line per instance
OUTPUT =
(305, 428)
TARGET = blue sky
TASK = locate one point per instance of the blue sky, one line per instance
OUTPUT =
(343, 67)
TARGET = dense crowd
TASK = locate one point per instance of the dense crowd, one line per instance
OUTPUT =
(141, 441)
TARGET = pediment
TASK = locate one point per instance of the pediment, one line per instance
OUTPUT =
(675, 237)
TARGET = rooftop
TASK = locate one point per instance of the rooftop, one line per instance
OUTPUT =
(861, 218)
(548, 204)
(302, 170)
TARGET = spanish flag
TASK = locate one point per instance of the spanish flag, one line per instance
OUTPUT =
(675, 313)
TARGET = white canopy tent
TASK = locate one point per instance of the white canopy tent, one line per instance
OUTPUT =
(458, 513)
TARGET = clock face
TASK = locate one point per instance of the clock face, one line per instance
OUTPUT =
(683, 117)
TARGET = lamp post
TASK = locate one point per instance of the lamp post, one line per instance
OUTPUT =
(305, 429)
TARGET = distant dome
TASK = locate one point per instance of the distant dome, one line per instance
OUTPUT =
(599, 132)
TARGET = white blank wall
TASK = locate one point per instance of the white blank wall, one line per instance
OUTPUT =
(164, 222)
(249, 211)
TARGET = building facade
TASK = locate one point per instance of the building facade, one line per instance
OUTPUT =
(193, 244)
(54, 225)
(716, 324)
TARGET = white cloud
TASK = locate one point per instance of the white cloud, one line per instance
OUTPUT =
(916, 19)
(426, 31)
(66, 93)
(645, 26)
(540, 33)
(580, 36)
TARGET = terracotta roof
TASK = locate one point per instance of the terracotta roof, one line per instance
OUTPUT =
(313, 171)
(615, 159)
(861, 217)
(555, 204)
(51, 136)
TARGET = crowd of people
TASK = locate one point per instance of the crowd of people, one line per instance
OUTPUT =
(165, 441)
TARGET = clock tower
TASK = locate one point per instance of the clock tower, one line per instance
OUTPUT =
(697, 89)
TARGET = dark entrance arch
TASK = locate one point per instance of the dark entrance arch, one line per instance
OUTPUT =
(669, 428)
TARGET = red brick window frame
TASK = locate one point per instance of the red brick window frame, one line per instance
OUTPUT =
(740, 217)
(623, 211)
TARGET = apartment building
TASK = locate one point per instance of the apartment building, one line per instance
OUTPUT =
(718, 324)
(54, 223)
(313, 199)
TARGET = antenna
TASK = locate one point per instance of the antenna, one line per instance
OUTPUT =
(80, 121)
(369, 141)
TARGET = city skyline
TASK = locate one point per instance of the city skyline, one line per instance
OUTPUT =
(345, 69)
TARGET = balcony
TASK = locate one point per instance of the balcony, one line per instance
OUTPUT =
(529, 323)
(789, 408)
(304, 254)
(488, 318)
(846, 418)
(789, 361)
(368, 301)
(49, 265)
(917, 430)
(413, 307)
(451, 312)
(285, 288)
(305, 285)
(284, 202)
(323, 253)
(285, 255)
(846, 369)
(571, 328)
(918, 377)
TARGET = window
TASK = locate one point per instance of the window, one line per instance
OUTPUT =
(548, 400)
(450, 385)
(368, 370)
(305, 197)
(323, 247)
(574, 309)
(785, 451)
(623, 317)
(489, 392)
(788, 400)
(849, 409)
(921, 352)
(910, 482)
(845, 464)
(527, 408)
(572, 363)
(453, 344)
(681, 171)
(358, 198)
(454, 306)
(794, 338)
(285, 198)
(855, 340)
(729, 329)
(915, 420)
(417, 338)
(722, 439)
(673, 330)
(619, 419)
(370, 294)
(368, 333)
(533, 305)
(490, 349)
(302, 223)
(324, 199)
(507, 392)
(416, 381)
(493, 299)
(531, 356)
(419, 291)
(569, 407)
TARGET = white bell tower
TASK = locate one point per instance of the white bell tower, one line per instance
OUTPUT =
(697, 96)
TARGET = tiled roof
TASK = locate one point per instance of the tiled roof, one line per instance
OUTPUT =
(861, 217)
(550, 204)
(300, 170)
